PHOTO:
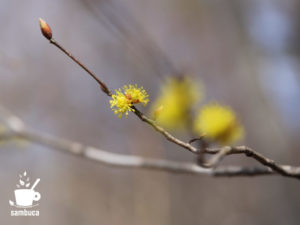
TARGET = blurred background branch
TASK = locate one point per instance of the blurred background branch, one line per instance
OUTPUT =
(17, 129)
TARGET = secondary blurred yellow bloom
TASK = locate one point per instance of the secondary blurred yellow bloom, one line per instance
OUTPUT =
(122, 102)
(178, 96)
(218, 123)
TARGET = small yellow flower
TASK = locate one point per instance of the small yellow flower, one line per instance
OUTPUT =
(135, 94)
(178, 95)
(218, 123)
(122, 102)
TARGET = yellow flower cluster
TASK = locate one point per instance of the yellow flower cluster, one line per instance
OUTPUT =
(218, 123)
(122, 102)
(172, 109)
(178, 96)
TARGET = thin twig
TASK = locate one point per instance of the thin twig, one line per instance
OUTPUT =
(102, 85)
(220, 153)
(164, 132)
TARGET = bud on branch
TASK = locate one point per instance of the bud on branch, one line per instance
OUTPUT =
(47, 32)
(45, 28)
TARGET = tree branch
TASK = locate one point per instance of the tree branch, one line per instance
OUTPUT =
(166, 134)
(220, 153)
(120, 160)
(17, 129)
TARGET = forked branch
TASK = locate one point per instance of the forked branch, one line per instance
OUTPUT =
(17, 129)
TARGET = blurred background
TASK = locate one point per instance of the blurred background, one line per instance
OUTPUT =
(245, 52)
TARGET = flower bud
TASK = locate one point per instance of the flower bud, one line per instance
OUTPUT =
(45, 28)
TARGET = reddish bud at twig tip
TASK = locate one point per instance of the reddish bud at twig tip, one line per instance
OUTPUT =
(45, 28)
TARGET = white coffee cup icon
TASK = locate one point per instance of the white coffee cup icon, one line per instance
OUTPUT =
(25, 197)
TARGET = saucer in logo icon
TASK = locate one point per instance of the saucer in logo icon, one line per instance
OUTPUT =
(26, 196)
